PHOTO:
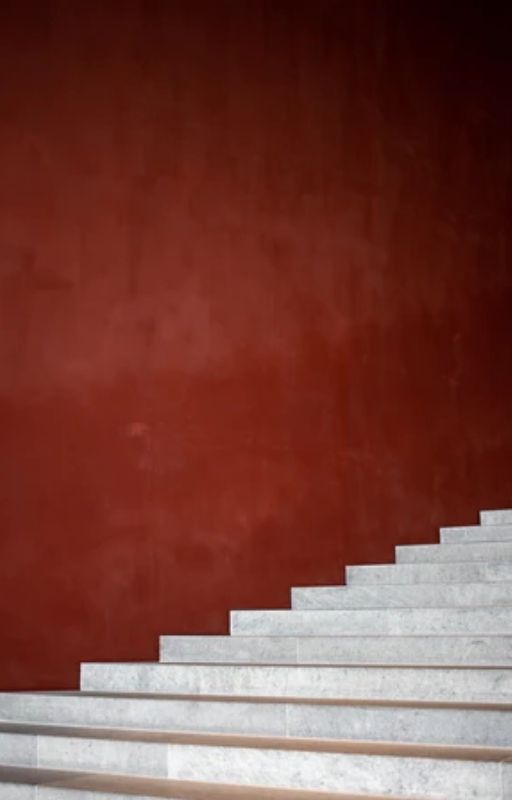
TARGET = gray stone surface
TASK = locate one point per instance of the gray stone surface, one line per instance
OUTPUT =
(136, 757)
(388, 621)
(11, 791)
(298, 764)
(390, 721)
(266, 650)
(414, 650)
(419, 724)
(473, 551)
(476, 533)
(150, 713)
(464, 780)
(455, 650)
(418, 596)
(462, 572)
(496, 517)
(18, 750)
(364, 682)
(28, 783)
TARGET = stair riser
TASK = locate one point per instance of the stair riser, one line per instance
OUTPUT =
(395, 622)
(93, 755)
(428, 573)
(476, 533)
(349, 773)
(267, 767)
(361, 722)
(388, 683)
(264, 650)
(497, 517)
(150, 714)
(447, 553)
(420, 596)
(437, 650)
(12, 791)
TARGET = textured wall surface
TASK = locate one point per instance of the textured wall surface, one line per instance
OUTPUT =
(255, 298)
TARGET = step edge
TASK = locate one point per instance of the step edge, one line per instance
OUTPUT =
(251, 742)
(106, 782)
(348, 702)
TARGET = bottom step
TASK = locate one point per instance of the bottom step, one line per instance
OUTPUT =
(364, 768)
(19, 783)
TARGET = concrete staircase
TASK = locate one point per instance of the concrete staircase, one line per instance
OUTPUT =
(397, 685)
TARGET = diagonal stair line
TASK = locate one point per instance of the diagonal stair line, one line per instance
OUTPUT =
(401, 690)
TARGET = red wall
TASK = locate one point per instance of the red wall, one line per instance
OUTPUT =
(256, 293)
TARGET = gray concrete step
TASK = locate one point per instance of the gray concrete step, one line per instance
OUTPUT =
(420, 650)
(273, 762)
(421, 595)
(388, 621)
(461, 572)
(496, 517)
(32, 783)
(476, 533)
(473, 551)
(392, 720)
(453, 684)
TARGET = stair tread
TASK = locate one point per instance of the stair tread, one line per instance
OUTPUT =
(340, 746)
(167, 788)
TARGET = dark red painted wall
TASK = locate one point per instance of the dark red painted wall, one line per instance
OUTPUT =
(256, 296)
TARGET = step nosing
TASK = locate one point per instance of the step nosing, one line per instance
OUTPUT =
(167, 788)
(283, 700)
(243, 741)
(227, 665)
